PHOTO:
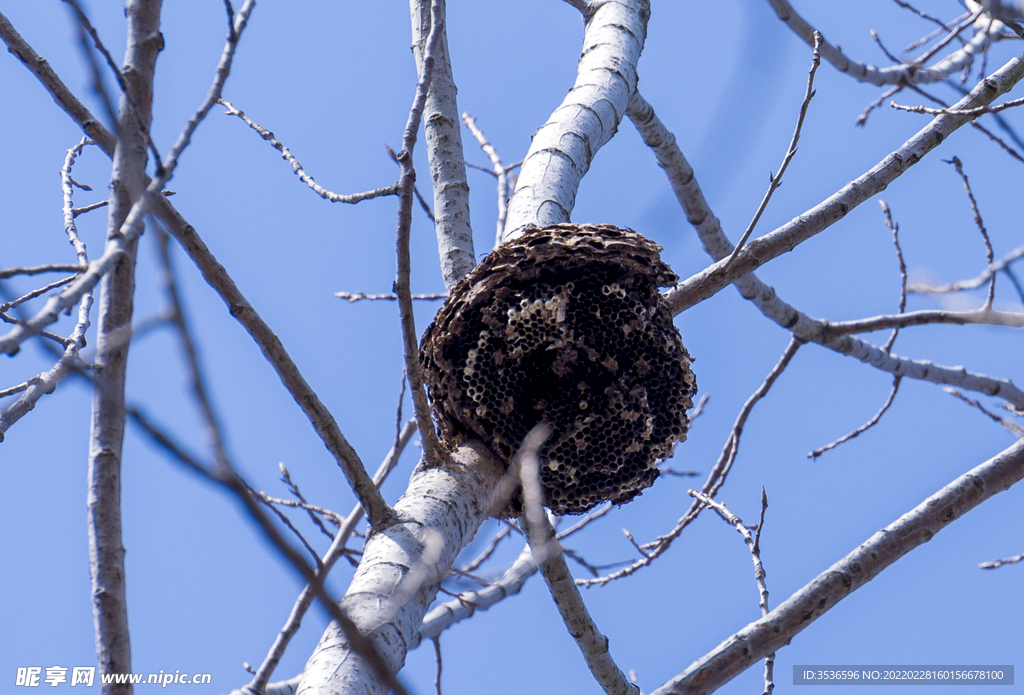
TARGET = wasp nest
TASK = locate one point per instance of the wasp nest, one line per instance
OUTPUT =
(565, 325)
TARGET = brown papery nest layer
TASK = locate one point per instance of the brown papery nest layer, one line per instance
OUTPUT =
(565, 325)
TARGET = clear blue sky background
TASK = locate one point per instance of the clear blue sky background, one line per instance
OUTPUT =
(334, 81)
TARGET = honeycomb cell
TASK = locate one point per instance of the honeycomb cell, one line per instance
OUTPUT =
(565, 325)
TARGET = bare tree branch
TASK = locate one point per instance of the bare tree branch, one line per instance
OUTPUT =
(981, 228)
(907, 73)
(40, 269)
(902, 305)
(988, 317)
(410, 339)
(1013, 427)
(499, 172)
(787, 237)
(450, 501)
(469, 602)
(358, 296)
(225, 476)
(297, 168)
(754, 545)
(866, 426)
(61, 94)
(45, 383)
(213, 430)
(443, 137)
(563, 148)
(973, 283)
(592, 644)
(116, 302)
(980, 111)
(885, 547)
(995, 564)
(775, 180)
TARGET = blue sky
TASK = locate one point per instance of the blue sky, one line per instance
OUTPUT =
(334, 81)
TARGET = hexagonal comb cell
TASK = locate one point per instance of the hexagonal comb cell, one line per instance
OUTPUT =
(565, 325)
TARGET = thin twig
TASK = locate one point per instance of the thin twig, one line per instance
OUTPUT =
(437, 654)
(981, 228)
(895, 229)
(862, 119)
(999, 563)
(970, 113)
(212, 429)
(979, 127)
(40, 269)
(914, 45)
(942, 25)
(866, 426)
(776, 180)
(45, 383)
(1000, 120)
(358, 296)
(499, 172)
(312, 511)
(414, 372)
(759, 573)
(98, 85)
(487, 552)
(269, 503)
(953, 33)
(67, 188)
(6, 306)
(878, 40)
(1013, 427)
(989, 317)
(1003, 264)
(590, 518)
(297, 167)
(424, 205)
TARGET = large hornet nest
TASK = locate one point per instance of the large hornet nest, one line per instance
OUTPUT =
(565, 325)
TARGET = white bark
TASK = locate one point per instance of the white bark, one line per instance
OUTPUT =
(442, 132)
(564, 147)
(469, 602)
(402, 568)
